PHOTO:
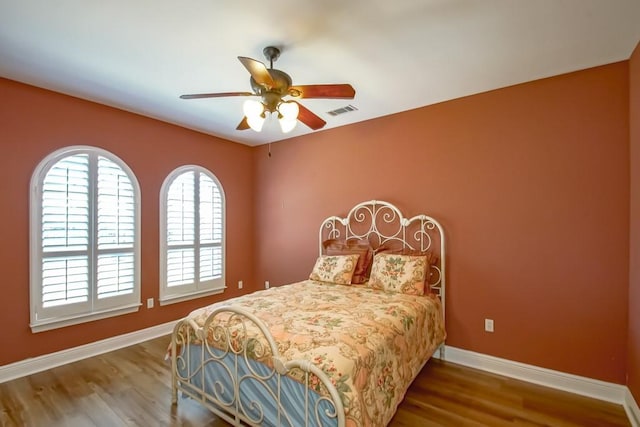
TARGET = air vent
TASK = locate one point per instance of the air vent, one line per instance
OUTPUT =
(342, 110)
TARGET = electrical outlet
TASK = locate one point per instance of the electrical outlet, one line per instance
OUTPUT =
(149, 302)
(266, 284)
(239, 284)
(488, 325)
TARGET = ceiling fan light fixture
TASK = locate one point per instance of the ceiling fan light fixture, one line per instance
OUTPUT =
(254, 111)
(271, 86)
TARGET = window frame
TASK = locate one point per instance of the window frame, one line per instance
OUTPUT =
(175, 294)
(47, 318)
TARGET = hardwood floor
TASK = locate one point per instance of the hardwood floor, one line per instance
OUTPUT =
(131, 387)
(446, 394)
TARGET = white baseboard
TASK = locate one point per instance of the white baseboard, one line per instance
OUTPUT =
(583, 386)
(48, 361)
(633, 411)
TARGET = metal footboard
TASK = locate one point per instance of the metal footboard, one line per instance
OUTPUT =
(252, 381)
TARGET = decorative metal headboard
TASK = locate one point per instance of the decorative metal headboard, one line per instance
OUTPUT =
(383, 225)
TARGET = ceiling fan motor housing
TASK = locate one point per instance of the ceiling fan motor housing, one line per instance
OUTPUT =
(271, 96)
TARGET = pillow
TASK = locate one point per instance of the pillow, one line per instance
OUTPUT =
(399, 273)
(334, 268)
(432, 259)
(352, 247)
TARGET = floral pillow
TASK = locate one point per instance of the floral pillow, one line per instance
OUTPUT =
(352, 247)
(432, 260)
(399, 273)
(334, 268)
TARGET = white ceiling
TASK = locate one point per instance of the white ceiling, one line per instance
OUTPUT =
(140, 55)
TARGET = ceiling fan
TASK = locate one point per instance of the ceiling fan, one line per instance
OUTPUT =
(272, 86)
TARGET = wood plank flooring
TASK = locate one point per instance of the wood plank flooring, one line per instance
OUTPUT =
(131, 387)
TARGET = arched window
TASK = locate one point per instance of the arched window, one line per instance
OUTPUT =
(85, 250)
(192, 233)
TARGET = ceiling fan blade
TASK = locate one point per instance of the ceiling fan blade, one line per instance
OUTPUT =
(243, 125)
(215, 95)
(309, 118)
(323, 91)
(258, 71)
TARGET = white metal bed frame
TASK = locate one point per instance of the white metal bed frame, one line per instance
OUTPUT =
(381, 223)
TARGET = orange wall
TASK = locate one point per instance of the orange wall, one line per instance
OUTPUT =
(35, 122)
(634, 277)
(531, 183)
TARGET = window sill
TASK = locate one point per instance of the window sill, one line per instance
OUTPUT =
(48, 324)
(172, 299)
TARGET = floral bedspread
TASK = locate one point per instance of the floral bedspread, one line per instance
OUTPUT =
(370, 343)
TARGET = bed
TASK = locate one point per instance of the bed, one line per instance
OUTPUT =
(337, 349)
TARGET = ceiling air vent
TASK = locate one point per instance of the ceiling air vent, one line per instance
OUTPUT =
(342, 110)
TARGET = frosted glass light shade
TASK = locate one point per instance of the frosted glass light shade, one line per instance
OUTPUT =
(254, 111)
(287, 125)
(288, 115)
(289, 110)
(255, 123)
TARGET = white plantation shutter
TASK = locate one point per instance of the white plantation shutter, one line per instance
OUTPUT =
(115, 231)
(181, 229)
(84, 254)
(180, 267)
(65, 280)
(65, 232)
(210, 214)
(192, 235)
